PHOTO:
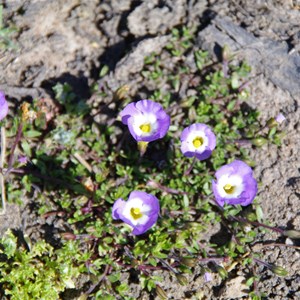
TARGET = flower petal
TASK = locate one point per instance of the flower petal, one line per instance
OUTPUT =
(117, 208)
(127, 112)
(3, 106)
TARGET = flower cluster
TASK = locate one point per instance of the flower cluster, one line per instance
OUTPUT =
(147, 121)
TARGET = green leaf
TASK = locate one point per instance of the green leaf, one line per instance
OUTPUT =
(235, 81)
(9, 242)
(250, 281)
(104, 70)
(231, 105)
(259, 213)
(114, 277)
(26, 148)
(32, 134)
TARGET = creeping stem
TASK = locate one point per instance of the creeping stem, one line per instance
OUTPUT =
(2, 156)
(11, 159)
(188, 171)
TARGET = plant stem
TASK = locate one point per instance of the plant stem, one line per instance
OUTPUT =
(214, 259)
(262, 262)
(164, 188)
(188, 171)
(106, 271)
(13, 148)
(168, 266)
(244, 220)
(49, 179)
(236, 240)
(279, 245)
(2, 183)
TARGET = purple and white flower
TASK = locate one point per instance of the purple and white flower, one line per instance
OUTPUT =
(198, 140)
(140, 211)
(147, 121)
(3, 106)
(235, 184)
(280, 118)
(207, 277)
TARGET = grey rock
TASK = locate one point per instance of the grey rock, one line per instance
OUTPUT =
(134, 61)
(266, 56)
(120, 6)
(150, 18)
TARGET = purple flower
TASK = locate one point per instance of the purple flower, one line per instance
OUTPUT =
(22, 159)
(235, 184)
(146, 120)
(207, 277)
(280, 118)
(198, 140)
(140, 211)
(3, 106)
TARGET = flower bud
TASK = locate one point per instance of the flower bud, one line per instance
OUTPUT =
(83, 297)
(230, 148)
(222, 272)
(61, 214)
(231, 245)
(88, 184)
(134, 262)
(280, 135)
(225, 53)
(259, 142)
(190, 262)
(68, 236)
(272, 123)
(161, 293)
(121, 92)
(293, 234)
(142, 146)
(280, 271)
(181, 279)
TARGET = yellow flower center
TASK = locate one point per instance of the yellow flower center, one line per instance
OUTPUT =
(135, 213)
(228, 188)
(198, 142)
(146, 128)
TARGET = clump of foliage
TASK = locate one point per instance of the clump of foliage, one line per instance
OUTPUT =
(6, 33)
(84, 166)
(41, 272)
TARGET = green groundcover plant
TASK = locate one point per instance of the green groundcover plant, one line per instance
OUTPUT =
(181, 158)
